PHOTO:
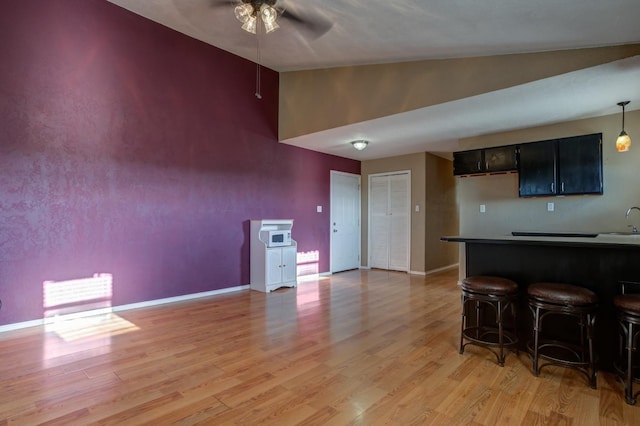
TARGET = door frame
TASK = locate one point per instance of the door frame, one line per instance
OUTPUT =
(409, 216)
(331, 189)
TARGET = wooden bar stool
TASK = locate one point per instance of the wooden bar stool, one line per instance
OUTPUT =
(628, 309)
(548, 299)
(498, 295)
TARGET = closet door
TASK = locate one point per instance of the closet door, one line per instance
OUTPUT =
(389, 221)
(379, 222)
(399, 205)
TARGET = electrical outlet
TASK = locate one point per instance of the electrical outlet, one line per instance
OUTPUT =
(550, 207)
(319, 209)
(483, 208)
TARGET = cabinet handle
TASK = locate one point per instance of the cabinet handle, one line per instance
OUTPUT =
(553, 187)
(478, 165)
(562, 187)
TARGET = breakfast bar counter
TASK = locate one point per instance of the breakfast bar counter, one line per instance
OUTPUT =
(598, 262)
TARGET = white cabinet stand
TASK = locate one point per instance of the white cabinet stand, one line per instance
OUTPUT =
(272, 267)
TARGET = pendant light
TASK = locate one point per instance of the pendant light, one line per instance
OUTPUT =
(623, 143)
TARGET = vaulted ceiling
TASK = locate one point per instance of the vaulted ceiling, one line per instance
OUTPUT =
(358, 32)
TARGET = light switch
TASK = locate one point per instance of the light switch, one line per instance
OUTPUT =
(483, 208)
(417, 208)
(319, 209)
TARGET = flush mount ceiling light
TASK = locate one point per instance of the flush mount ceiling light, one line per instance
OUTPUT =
(623, 143)
(249, 11)
(360, 144)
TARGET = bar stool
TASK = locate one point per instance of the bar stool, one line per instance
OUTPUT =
(563, 299)
(628, 308)
(499, 295)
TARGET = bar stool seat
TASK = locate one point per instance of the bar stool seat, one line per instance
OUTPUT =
(499, 295)
(548, 298)
(628, 308)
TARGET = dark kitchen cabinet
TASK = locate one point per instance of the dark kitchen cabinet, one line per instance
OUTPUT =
(467, 162)
(567, 166)
(500, 159)
(488, 160)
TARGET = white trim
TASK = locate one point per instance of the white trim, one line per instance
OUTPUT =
(313, 277)
(145, 304)
(444, 268)
(434, 271)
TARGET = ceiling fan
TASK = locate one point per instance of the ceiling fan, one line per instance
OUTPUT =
(254, 13)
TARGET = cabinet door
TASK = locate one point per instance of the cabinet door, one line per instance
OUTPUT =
(289, 264)
(274, 266)
(468, 162)
(538, 164)
(500, 159)
(580, 165)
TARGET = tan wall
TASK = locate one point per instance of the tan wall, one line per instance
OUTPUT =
(433, 190)
(506, 212)
(315, 100)
(441, 213)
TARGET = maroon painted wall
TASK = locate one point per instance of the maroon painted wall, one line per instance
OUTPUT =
(131, 149)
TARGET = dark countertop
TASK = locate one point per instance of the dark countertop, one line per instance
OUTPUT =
(575, 239)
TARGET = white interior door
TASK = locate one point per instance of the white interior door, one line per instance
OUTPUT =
(345, 221)
(389, 221)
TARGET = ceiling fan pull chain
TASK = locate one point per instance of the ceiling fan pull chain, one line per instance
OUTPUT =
(258, 94)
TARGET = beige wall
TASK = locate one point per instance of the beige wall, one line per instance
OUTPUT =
(433, 191)
(441, 213)
(315, 100)
(506, 212)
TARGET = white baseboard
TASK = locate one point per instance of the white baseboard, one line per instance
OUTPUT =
(444, 268)
(145, 304)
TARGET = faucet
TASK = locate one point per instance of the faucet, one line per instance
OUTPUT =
(634, 229)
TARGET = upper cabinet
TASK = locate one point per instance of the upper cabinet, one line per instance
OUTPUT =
(488, 160)
(467, 162)
(567, 166)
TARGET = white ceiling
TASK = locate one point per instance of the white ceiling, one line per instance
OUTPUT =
(383, 31)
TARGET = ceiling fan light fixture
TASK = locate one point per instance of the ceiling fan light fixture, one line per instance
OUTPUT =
(270, 26)
(623, 143)
(360, 144)
(268, 13)
(250, 25)
(243, 12)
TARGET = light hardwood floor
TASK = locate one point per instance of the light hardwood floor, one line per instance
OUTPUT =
(361, 347)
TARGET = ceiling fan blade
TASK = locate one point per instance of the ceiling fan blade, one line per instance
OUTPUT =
(316, 26)
(223, 3)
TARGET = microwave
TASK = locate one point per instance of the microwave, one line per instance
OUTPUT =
(279, 238)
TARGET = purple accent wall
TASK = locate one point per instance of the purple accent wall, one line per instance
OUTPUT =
(128, 148)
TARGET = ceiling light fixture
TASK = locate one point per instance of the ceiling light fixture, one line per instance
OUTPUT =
(360, 144)
(623, 143)
(250, 10)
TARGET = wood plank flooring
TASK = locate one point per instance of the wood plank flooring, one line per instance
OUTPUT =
(360, 347)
